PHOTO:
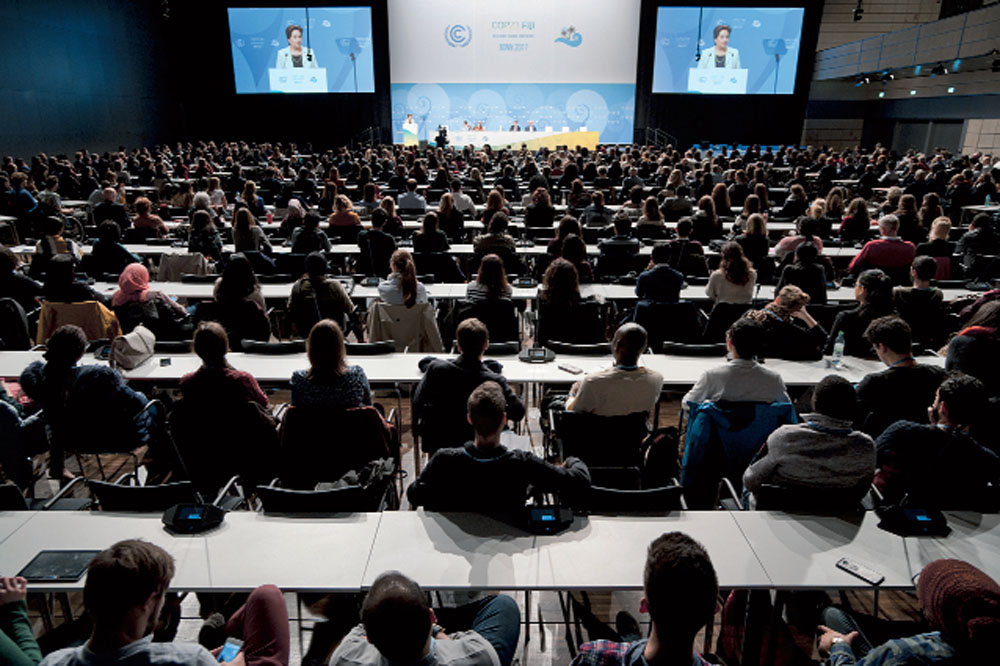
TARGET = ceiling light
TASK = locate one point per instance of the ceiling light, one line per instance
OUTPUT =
(951, 89)
(913, 92)
(881, 94)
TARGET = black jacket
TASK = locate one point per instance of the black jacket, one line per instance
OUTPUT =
(468, 479)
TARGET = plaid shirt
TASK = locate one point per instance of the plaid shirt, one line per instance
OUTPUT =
(611, 653)
(920, 649)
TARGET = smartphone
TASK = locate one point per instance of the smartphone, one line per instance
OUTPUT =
(164, 362)
(104, 353)
(572, 369)
(230, 650)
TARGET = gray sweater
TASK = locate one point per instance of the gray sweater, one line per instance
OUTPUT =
(820, 452)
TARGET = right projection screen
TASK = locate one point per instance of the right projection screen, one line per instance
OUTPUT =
(727, 50)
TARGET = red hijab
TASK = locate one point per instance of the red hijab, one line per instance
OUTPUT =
(133, 285)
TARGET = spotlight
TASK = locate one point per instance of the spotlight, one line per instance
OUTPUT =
(939, 70)
(913, 92)
(951, 89)
(887, 76)
(858, 12)
(996, 65)
(881, 94)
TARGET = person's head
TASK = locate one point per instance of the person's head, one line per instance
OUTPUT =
(143, 206)
(806, 253)
(411, 185)
(9, 261)
(109, 194)
(963, 603)
(238, 278)
(561, 283)
(734, 264)
(597, 199)
(293, 34)
(326, 350)
(456, 185)
(568, 226)
(623, 225)
(888, 225)
(874, 288)
(341, 204)
(310, 221)
(907, 204)
(651, 209)
(981, 221)
(890, 336)
(210, 343)
(65, 346)
(59, 274)
(402, 264)
(924, 268)
(573, 249)
(201, 220)
(987, 316)
(680, 587)
(487, 409)
(684, 228)
(961, 401)
(940, 229)
(397, 618)
(835, 397)
(494, 200)
(109, 232)
(446, 204)
(751, 204)
(629, 343)
(243, 219)
(125, 586)
(817, 209)
(472, 338)
(790, 299)
(858, 209)
(492, 275)
(721, 36)
(745, 338)
(498, 223)
(540, 197)
(316, 265)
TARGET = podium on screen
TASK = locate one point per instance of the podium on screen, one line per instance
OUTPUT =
(297, 80)
(718, 81)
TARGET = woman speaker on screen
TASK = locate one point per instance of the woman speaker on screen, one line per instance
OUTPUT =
(294, 55)
(721, 55)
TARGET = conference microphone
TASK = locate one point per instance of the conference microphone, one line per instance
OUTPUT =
(309, 53)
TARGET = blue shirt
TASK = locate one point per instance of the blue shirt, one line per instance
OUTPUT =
(926, 648)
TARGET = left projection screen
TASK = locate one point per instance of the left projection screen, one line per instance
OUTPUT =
(564, 66)
(302, 50)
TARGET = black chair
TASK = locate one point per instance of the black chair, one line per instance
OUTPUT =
(503, 348)
(141, 499)
(717, 349)
(721, 318)
(274, 348)
(277, 500)
(172, 346)
(371, 348)
(652, 501)
(12, 499)
(14, 331)
(610, 443)
(498, 315)
(595, 349)
(276, 278)
(441, 265)
(290, 264)
(772, 497)
(193, 278)
(674, 322)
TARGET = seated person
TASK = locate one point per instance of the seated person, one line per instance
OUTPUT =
(343, 213)
(108, 255)
(124, 594)
(806, 273)
(807, 232)
(18, 646)
(410, 200)
(901, 391)
(889, 253)
(790, 332)
(824, 452)
(563, 315)
(329, 383)
(677, 207)
(15, 284)
(62, 285)
(159, 313)
(625, 387)
(216, 381)
(309, 237)
(980, 239)
(742, 379)
(52, 245)
(439, 402)
(976, 349)
(617, 253)
(144, 219)
(109, 209)
(402, 287)
(398, 627)
(70, 395)
(680, 593)
(660, 282)
(938, 465)
(317, 295)
(540, 212)
(734, 280)
(205, 237)
(574, 250)
(483, 475)
(959, 603)
(240, 303)
(450, 217)
(595, 214)
(491, 281)
(921, 305)
(873, 290)
(496, 240)
(247, 234)
(686, 254)
(430, 238)
(376, 245)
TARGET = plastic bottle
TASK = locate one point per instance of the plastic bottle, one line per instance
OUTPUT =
(838, 350)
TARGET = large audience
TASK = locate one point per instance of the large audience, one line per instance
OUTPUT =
(807, 224)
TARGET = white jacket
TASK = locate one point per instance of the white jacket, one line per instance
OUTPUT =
(284, 60)
(708, 58)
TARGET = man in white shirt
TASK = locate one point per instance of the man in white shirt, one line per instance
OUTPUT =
(398, 627)
(463, 202)
(625, 387)
(742, 379)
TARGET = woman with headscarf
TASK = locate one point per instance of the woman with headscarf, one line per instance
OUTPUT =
(135, 303)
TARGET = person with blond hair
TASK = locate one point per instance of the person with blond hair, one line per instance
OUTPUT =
(790, 332)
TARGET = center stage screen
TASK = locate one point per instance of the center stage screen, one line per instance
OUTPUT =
(562, 69)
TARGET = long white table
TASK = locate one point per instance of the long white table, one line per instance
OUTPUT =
(770, 550)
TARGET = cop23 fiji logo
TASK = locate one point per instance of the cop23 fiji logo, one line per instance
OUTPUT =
(458, 35)
(570, 37)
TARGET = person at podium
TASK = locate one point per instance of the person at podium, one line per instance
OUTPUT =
(294, 55)
(721, 55)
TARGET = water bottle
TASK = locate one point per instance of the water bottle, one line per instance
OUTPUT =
(838, 350)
